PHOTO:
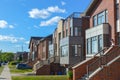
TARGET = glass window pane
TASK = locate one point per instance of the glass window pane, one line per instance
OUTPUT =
(64, 51)
(106, 15)
(94, 20)
(76, 31)
(94, 45)
(100, 42)
(88, 46)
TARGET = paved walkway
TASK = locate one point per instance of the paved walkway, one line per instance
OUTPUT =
(5, 75)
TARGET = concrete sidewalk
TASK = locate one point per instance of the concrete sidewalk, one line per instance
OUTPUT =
(5, 75)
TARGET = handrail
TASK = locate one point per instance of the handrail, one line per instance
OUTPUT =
(96, 64)
(100, 52)
(111, 55)
(102, 60)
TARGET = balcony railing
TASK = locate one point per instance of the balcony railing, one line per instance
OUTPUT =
(97, 30)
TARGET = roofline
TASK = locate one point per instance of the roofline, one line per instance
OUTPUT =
(31, 40)
(89, 6)
(46, 37)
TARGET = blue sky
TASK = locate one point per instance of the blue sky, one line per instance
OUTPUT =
(21, 19)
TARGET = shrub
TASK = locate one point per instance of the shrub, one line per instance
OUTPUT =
(70, 74)
(14, 62)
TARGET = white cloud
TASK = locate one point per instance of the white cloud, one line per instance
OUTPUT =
(45, 13)
(52, 21)
(55, 9)
(36, 13)
(63, 3)
(11, 26)
(10, 38)
(4, 24)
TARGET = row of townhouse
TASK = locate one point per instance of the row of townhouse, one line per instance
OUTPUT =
(102, 43)
(82, 43)
(58, 52)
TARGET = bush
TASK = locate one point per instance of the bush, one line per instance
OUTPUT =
(14, 62)
(70, 74)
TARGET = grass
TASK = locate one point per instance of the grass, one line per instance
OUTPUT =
(39, 77)
(14, 70)
(1, 68)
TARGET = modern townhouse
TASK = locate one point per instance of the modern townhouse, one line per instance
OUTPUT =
(21, 56)
(47, 63)
(102, 40)
(42, 67)
(72, 49)
(33, 54)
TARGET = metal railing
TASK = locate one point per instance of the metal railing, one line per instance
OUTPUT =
(97, 63)
(110, 56)
(103, 59)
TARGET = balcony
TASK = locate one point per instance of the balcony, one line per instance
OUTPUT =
(71, 40)
(97, 30)
(65, 43)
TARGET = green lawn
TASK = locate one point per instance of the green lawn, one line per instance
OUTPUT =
(39, 77)
(1, 68)
(14, 70)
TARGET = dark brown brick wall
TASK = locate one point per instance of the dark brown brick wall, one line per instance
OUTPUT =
(55, 68)
(45, 70)
(85, 25)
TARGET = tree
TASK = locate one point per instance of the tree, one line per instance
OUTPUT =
(7, 56)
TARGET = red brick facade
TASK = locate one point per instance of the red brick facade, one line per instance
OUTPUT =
(110, 72)
(81, 70)
(101, 5)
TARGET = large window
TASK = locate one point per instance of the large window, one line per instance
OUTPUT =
(100, 42)
(119, 39)
(71, 22)
(117, 8)
(33, 56)
(59, 36)
(76, 31)
(63, 34)
(89, 46)
(64, 51)
(66, 32)
(94, 45)
(76, 50)
(100, 18)
(95, 20)
(51, 53)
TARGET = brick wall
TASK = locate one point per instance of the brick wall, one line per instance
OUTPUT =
(79, 71)
(111, 72)
(45, 70)
(110, 6)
